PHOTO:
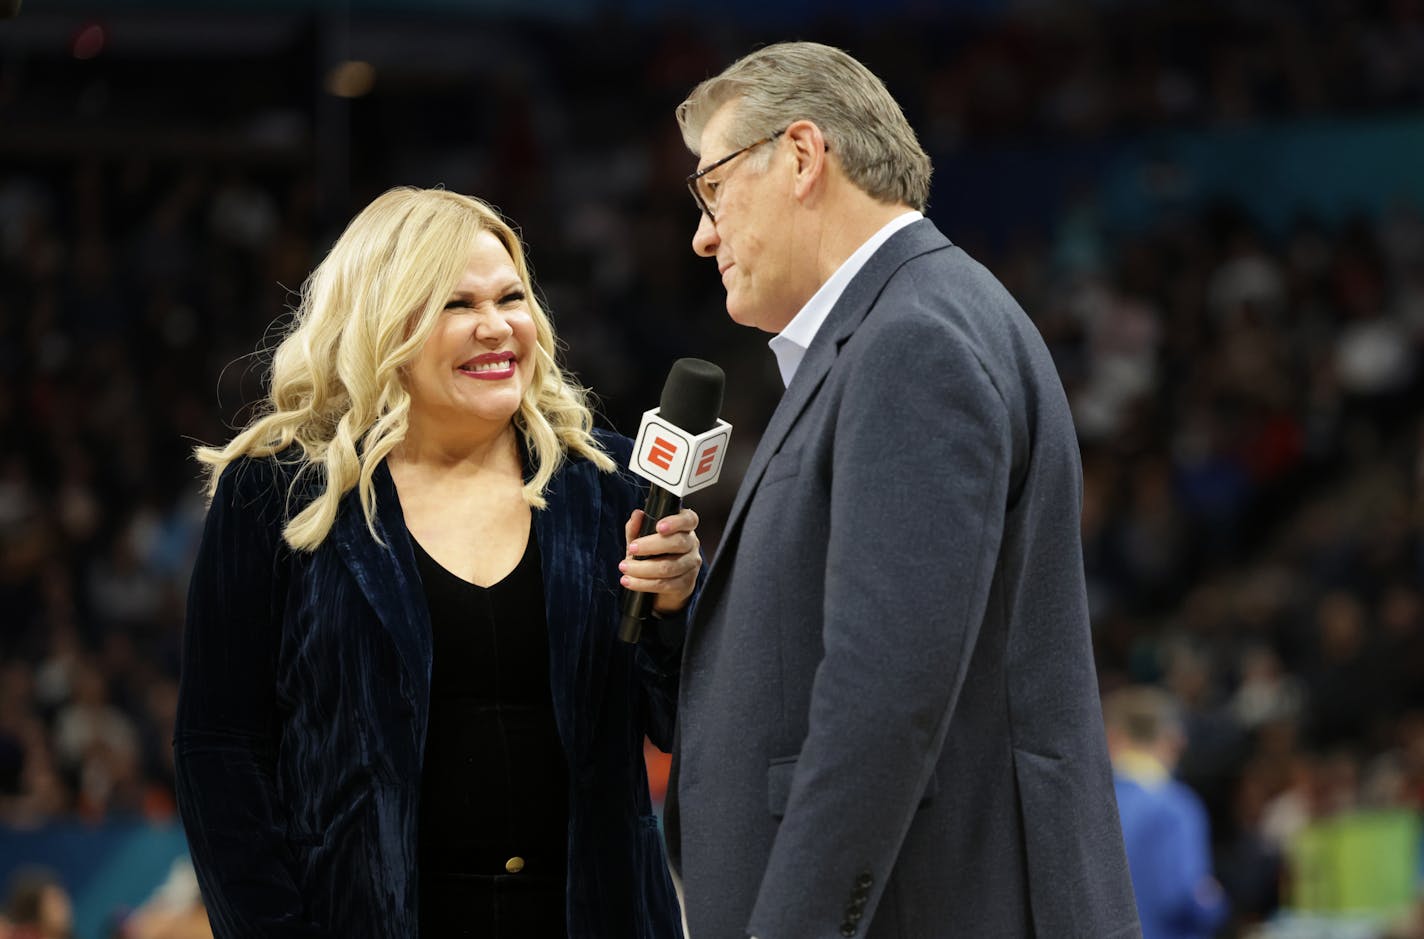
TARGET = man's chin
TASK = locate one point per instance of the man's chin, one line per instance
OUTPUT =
(742, 315)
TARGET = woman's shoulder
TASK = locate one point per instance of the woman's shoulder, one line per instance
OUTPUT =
(270, 484)
(578, 471)
(617, 446)
(626, 487)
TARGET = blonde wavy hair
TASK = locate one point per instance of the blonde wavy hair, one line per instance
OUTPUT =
(336, 378)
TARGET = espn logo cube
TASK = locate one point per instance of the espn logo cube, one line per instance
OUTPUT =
(676, 460)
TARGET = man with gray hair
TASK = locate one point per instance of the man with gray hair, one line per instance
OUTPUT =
(889, 713)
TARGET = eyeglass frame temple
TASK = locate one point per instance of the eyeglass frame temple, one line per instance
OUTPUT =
(694, 177)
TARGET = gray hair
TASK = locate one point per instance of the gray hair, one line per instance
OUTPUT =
(790, 81)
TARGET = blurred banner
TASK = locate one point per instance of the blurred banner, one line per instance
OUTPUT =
(1328, 170)
(1364, 862)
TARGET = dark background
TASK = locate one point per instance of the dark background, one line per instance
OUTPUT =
(1211, 210)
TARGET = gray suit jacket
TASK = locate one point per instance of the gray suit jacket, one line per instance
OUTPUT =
(889, 713)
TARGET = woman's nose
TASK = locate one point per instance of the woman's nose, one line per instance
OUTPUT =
(493, 326)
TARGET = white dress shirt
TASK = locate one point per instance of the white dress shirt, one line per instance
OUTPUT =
(791, 343)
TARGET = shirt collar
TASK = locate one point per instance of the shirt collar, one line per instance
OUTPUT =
(1142, 768)
(791, 343)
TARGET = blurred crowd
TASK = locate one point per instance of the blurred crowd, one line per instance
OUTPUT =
(1248, 400)
(1253, 440)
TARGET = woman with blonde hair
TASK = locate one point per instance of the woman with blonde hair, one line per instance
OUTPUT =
(404, 710)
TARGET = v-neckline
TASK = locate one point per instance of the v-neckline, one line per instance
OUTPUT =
(524, 558)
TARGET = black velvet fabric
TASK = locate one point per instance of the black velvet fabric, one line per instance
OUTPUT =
(305, 699)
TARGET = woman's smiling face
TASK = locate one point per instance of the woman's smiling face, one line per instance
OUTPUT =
(478, 362)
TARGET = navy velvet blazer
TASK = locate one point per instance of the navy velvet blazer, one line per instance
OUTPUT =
(305, 697)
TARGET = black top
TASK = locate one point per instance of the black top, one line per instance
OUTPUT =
(494, 790)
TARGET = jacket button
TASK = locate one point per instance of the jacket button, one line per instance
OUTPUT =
(514, 865)
(847, 929)
(864, 880)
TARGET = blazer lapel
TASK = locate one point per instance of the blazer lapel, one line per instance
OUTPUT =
(850, 310)
(566, 536)
(567, 532)
(387, 575)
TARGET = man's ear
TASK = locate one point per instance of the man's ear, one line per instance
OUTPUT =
(809, 147)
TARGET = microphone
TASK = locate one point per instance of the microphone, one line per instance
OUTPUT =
(680, 448)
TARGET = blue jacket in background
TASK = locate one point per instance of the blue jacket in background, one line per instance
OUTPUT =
(1168, 841)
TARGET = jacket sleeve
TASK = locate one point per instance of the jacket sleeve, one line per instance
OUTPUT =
(658, 655)
(919, 482)
(226, 730)
(659, 661)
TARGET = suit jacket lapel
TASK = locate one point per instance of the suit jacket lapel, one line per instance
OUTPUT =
(848, 313)
(388, 576)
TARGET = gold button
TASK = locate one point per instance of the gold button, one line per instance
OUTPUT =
(514, 865)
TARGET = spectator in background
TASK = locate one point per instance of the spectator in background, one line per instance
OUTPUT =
(39, 906)
(1163, 822)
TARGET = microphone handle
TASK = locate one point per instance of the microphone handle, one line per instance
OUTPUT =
(637, 604)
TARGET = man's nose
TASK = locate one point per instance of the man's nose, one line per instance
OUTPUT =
(705, 240)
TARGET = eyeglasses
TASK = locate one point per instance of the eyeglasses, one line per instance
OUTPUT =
(704, 190)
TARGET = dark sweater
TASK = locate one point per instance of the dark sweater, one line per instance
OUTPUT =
(494, 789)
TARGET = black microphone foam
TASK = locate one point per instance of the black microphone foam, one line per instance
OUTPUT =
(692, 395)
(691, 401)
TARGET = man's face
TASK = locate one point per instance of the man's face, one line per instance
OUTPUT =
(753, 239)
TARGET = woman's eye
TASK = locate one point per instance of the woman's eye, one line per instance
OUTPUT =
(458, 305)
(514, 296)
